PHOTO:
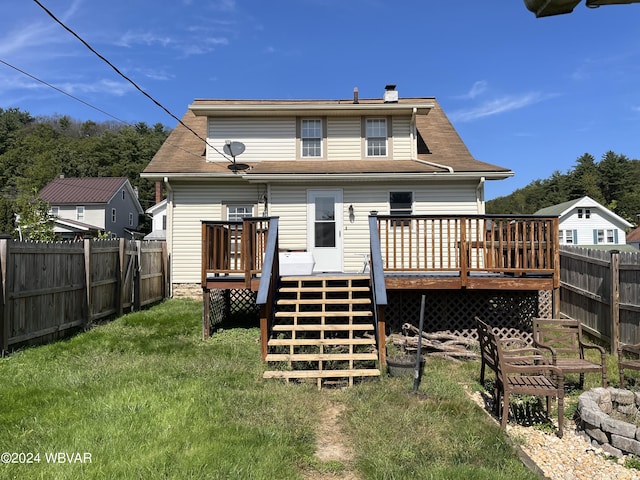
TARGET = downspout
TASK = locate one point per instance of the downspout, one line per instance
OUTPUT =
(169, 232)
(480, 196)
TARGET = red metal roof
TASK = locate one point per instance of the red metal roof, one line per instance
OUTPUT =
(82, 190)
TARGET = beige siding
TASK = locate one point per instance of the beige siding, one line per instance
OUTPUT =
(289, 202)
(344, 138)
(193, 203)
(264, 138)
(402, 139)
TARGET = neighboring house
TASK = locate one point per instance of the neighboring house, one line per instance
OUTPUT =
(585, 222)
(158, 214)
(85, 206)
(321, 166)
(633, 238)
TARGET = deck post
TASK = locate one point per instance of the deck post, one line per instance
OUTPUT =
(206, 313)
(382, 337)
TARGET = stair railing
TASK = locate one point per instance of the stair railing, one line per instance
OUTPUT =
(269, 283)
(378, 287)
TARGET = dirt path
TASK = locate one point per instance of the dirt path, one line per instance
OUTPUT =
(333, 446)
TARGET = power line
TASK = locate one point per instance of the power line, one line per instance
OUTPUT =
(62, 91)
(135, 85)
(87, 103)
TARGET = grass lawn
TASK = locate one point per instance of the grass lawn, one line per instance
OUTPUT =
(144, 397)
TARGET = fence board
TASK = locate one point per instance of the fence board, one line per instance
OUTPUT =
(48, 289)
(608, 304)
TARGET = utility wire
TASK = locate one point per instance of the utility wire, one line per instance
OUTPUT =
(88, 104)
(135, 85)
(61, 91)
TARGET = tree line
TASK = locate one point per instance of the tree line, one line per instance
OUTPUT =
(614, 182)
(35, 150)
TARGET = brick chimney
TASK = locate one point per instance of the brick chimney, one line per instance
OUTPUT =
(158, 192)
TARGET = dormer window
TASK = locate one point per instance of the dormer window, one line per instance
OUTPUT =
(376, 132)
(311, 138)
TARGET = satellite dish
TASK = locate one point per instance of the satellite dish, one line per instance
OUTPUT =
(233, 148)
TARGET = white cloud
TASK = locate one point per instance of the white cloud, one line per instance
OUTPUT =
(477, 89)
(143, 38)
(498, 106)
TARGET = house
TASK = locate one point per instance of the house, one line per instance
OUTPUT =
(320, 166)
(633, 238)
(85, 206)
(584, 221)
(158, 213)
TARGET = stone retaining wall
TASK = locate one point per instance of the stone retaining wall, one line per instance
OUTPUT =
(615, 437)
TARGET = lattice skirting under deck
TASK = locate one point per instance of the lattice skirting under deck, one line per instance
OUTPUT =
(229, 308)
(454, 311)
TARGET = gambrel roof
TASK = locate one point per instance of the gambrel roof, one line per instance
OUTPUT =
(440, 148)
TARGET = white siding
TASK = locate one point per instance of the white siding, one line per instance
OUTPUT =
(586, 226)
(401, 138)
(264, 138)
(344, 138)
(93, 215)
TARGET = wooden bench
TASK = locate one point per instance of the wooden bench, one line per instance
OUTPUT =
(523, 372)
(625, 362)
(562, 338)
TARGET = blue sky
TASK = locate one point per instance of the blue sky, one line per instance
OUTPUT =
(529, 94)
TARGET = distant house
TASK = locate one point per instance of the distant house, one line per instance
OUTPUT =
(633, 238)
(158, 213)
(585, 222)
(83, 207)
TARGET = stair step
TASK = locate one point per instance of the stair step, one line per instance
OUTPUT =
(317, 289)
(325, 328)
(314, 357)
(326, 301)
(289, 342)
(330, 278)
(345, 313)
(361, 372)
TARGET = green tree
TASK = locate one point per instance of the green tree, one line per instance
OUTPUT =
(34, 221)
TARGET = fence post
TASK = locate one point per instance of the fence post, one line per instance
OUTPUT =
(137, 276)
(122, 273)
(615, 300)
(4, 316)
(87, 278)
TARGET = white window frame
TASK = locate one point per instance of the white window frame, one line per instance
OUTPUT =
(376, 134)
(55, 211)
(237, 215)
(80, 213)
(311, 138)
(611, 236)
(566, 237)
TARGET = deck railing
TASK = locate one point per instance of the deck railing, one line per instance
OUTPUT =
(524, 245)
(519, 245)
(233, 248)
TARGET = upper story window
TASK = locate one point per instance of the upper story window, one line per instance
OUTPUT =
(130, 219)
(123, 194)
(311, 138)
(113, 215)
(80, 213)
(376, 132)
(586, 213)
(55, 211)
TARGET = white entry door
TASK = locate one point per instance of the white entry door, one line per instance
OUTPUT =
(324, 229)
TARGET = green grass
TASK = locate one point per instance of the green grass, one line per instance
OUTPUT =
(147, 398)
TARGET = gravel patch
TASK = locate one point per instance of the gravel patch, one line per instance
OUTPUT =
(571, 457)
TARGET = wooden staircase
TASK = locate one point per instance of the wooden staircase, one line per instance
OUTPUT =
(323, 330)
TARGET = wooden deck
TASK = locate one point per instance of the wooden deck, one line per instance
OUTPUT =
(481, 252)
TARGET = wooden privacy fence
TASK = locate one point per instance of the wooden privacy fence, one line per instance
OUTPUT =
(602, 290)
(49, 288)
